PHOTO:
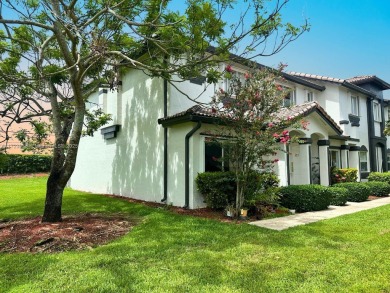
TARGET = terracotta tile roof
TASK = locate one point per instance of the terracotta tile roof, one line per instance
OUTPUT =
(369, 78)
(317, 77)
(293, 112)
(343, 82)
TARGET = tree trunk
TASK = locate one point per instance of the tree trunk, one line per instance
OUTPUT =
(53, 203)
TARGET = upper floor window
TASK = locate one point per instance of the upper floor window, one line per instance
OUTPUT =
(310, 96)
(355, 105)
(377, 112)
(290, 99)
(228, 83)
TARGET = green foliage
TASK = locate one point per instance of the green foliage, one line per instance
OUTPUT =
(343, 175)
(305, 198)
(378, 176)
(338, 195)
(219, 188)
(94, 120)
(357, 191)
(21, 164)
(378, 188)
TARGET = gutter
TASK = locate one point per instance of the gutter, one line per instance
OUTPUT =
(164, 199)
(187, 163)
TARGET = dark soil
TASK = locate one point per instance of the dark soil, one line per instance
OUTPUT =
(73, 233)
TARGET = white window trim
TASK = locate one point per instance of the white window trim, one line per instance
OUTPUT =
(338, 161)
(361, 161)
(377, 111)
(357, 106)
(311, 94)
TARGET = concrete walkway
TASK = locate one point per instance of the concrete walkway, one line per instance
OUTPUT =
(311, 217)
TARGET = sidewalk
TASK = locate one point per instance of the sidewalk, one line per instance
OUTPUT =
(311, 217)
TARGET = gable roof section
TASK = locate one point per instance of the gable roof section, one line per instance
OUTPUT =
(198, 113)
(289, 77)
(344, 82)
(369, 79)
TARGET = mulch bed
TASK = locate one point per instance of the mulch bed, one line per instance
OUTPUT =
(79, 232)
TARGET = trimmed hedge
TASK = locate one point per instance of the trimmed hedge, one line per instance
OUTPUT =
(378, 188)
(357, 192)
(21, 164)
(379, 177)
(219, 188)
(305, 198)
(338, 195)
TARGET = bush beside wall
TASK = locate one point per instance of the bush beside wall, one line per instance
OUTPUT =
(378, 176)
(305, 198)
(219, 188)
(357, 192)
(22, 164)
(378, 188)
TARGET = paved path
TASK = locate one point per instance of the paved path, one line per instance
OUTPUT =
(311, 217)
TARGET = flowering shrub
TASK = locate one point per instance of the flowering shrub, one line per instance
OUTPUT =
(343, 175)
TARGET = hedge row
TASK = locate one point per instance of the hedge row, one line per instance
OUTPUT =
(377, 176)
(21, 164)
(357, 191)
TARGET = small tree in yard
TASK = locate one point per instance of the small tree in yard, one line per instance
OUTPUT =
(55, 53)
(250, 121)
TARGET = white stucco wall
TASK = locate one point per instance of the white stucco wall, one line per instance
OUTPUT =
(132, 163)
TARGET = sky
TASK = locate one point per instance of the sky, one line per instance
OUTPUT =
(347, 38)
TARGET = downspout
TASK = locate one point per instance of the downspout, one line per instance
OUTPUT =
(187, 163)
(165, 89)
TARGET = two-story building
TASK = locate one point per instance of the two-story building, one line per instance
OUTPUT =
(158, 140)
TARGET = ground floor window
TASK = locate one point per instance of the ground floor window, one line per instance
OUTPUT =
(335, 158)
(388, 161)
(378, 158)
(214, 157)
(363, 161)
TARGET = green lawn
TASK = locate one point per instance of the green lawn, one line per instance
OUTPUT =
(173, 253)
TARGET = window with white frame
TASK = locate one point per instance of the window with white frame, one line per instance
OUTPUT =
(309, 96)
(228, 81)
(363, 161)
(378, 157)
(355, 105)
(377, 112)
(335, 158)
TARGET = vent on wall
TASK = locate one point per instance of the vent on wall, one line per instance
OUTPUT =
(110, 131)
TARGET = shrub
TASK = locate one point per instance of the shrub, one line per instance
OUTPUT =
(21, 164)
(378, 188)
(357, 191)
(343, 175)
(338, 195)
(219, 188)
(305, 198)
(377, 176)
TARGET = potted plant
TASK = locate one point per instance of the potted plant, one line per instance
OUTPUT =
(230, 211)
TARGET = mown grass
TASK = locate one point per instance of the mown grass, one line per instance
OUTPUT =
(173, 253)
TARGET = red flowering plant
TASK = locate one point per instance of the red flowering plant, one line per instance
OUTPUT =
(250, 117)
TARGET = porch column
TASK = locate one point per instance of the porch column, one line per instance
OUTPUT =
(304, 161)
(344, 156)
(323, 153)
(354, 159)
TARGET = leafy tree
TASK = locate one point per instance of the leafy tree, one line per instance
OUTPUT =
(55, 53)
(254, 123)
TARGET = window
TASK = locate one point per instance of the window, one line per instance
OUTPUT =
(310, 97)
(363, 161)
(214, 154)
(290, 99)
(355, 105)
(377, 112)
(228, 82)
(388, 161)
(335, 158)
(378, 157)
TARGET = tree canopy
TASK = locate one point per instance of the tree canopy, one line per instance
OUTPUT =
(55, 53)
